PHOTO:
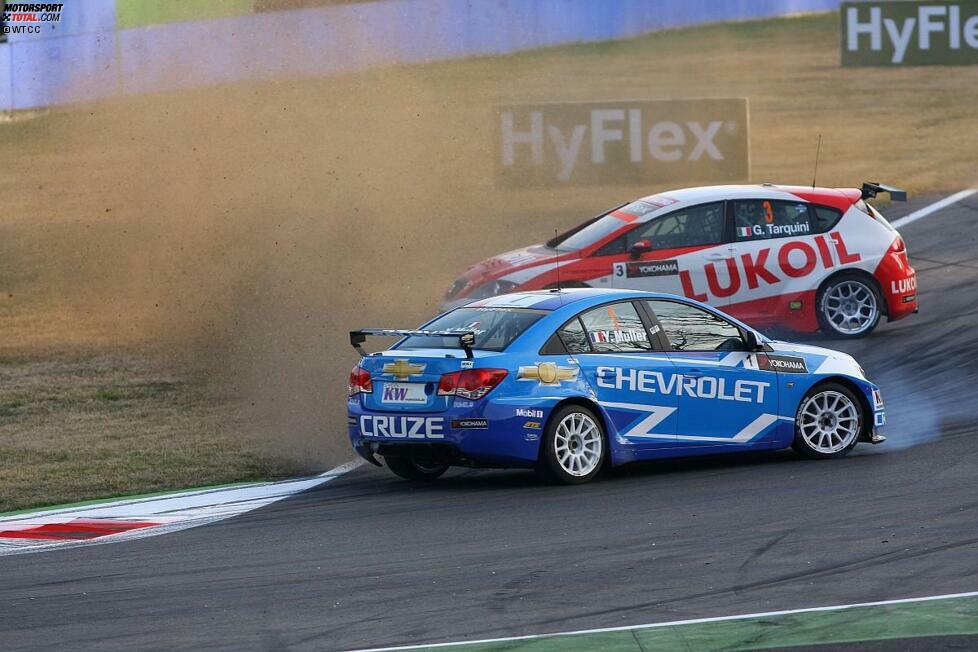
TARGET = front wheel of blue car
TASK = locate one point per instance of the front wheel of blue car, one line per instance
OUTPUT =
(573, 445)
(828, 422)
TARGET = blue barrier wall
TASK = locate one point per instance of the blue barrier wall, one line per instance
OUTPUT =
(84, 57)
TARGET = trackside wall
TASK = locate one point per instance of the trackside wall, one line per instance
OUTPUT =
(86, 57)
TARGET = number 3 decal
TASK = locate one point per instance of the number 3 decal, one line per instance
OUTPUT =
(619, 269)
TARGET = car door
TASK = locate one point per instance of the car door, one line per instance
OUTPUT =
(777, 255)
(683, 252)
(630, 374)
(724, 399)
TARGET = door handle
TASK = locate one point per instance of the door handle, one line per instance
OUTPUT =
(717, 256)
(694, 373)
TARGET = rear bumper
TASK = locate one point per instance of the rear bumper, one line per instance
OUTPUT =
(898, 282)
(500, 433)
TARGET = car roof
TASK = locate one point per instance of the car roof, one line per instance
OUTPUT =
(668, 200)
(554, 299)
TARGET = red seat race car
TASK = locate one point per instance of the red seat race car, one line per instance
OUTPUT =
(801, 258)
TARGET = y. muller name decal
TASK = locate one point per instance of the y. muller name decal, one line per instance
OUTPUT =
(771, 266)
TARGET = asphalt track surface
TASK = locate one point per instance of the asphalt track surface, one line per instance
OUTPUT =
(370, 560)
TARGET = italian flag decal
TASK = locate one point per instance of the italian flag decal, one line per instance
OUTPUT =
(743, 232)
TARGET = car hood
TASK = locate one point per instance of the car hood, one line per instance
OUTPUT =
(511, 261)
(819, 359)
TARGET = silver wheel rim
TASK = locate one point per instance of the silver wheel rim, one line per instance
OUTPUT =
(828, 421)
(850, 307)
(578, 444)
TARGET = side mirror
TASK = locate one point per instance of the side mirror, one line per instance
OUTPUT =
(639, 248)
(750, 339)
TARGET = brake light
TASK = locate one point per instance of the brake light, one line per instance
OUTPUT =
(360, 382)
(470, 383)
(899, 246)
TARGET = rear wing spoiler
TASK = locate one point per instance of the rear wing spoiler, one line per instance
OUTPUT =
(870, 189)
(465, 338)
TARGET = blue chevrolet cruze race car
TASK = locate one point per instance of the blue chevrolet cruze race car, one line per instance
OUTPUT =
(568, 381)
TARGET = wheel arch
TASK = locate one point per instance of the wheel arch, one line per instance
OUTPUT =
(591, 405)
(854, 387)
(852, 271)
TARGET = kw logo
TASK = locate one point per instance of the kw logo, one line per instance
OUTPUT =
(547, 373)
(395, 393)
(402, 369)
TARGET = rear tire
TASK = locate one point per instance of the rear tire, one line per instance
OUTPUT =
(849, 306)
(828, 423)
(574, 445)
(410, 468)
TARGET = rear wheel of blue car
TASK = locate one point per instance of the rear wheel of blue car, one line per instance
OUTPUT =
(829, 421)
(410, 468)
(573, 445)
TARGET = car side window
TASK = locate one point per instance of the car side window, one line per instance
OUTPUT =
(573, 336)
(616, 328)
(762, 219)
(687, 227)
(825, 218)
(690, 328)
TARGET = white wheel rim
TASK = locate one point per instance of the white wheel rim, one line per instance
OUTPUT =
(578, 444)
(850, 307)
(828, 421)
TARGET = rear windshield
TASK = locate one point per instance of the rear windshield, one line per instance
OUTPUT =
(494, 328)
(605, 226)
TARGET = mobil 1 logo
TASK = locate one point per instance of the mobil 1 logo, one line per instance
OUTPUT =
(634, 142)
(909, 33)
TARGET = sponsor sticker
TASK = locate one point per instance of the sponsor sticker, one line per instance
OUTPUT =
(398, 427)
(547, 373)
(904, 285)
(877, 399)
(529, 412)
(533, 425)
(467, 364)
(403, 393)
(470, 424)
(656, 382)
(879, 419)
(784, 363)
(668, 267)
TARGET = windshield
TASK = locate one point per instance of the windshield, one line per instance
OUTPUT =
(494, 328)
(606, 225)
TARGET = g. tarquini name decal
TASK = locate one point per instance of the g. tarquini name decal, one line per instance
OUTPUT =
(784, 363)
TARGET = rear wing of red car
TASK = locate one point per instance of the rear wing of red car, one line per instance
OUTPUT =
(466, 339)
(870, 189)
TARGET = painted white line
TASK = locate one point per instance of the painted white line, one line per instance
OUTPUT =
(168, 513)
(674, 623)
(933, 208)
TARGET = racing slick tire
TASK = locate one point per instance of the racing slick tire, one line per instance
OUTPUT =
(849, 306)
(574, 446)
(410, 468)
(829, 422)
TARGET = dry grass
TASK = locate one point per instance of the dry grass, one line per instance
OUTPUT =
(177, 271)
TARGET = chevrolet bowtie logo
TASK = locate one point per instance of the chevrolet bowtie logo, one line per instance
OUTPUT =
(547, 373)
(402, 369)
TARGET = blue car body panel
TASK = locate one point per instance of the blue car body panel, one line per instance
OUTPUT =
(653, 404)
